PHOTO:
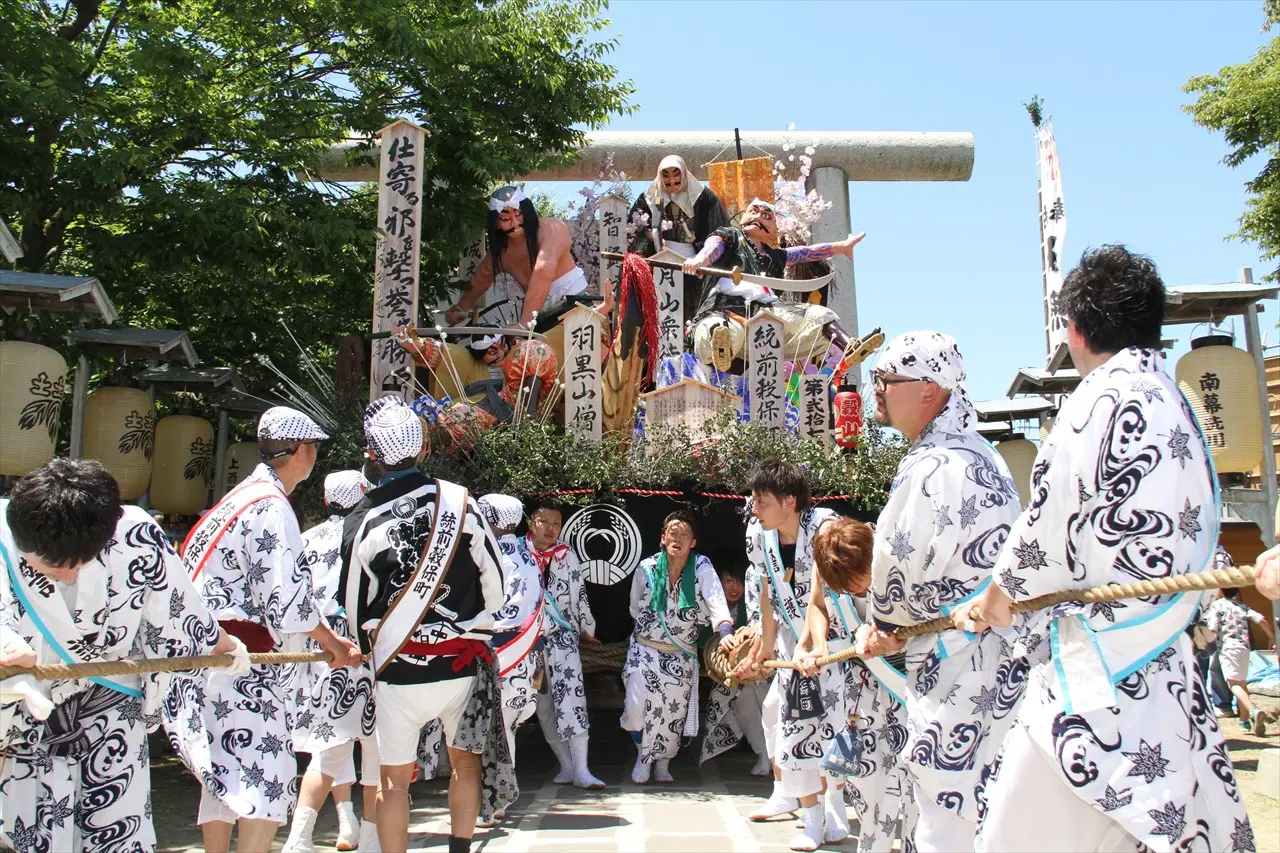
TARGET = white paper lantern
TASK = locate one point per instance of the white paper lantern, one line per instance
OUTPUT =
(1020, 455)
(242, 458)
(33, 381)
(184, 465)
(1221, 384)
(119, 432)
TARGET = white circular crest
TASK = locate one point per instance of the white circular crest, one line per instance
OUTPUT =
(606, 540)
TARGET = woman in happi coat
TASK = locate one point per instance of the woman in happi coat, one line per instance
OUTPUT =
(733, 713)
(562, 704)
(337, 707)
(673, 594)
(1116, 745)
(801, 715)
(878, 786)
(948, 514)
(85, 580)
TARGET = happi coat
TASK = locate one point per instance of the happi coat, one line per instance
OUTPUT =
(335, 706)
(950, 507)
(663, 656)
(1124, 490)
(567, 614)
(233, 732)
(384, 539)
(804, 730)
(81, 780)
(519, 653)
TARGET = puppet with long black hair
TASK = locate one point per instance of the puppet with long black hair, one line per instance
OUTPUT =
(535, 252)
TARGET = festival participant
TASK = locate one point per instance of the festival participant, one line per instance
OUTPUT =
(87, 581)
(723, 307)
(680, 210)
(537, 253)
(232, 731)
(337, 705)
(733, 713)
(797, 723)
(672, 594)
(879, 787)
(1116, 746)
(562, 703)
(947, 516)
(518, 630)
(423, 576)
(1229, 619)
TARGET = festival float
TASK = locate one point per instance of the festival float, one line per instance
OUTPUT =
(659, 385)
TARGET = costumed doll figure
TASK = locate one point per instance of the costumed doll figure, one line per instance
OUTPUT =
(733, 713)
(336, 705)
(562, 702)
(84, 580)
(537, 253)
(724, 306)
(517, 633)
(422, 573)
(868, 755)
(672, 594)
(244, 555)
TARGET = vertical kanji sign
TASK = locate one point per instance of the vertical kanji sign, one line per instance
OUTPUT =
(613, 238)
(764, 354)
(395, 277)
(815, 407)
(669, 285)
(583, 343)
(1053, 231)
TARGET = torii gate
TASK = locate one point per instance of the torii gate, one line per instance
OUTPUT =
(840, 157)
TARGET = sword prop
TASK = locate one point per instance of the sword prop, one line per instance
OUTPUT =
(737, 276)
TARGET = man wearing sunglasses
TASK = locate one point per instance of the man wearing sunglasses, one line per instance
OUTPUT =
(935, 542)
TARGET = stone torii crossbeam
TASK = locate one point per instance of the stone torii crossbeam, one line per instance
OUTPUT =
(841, 156)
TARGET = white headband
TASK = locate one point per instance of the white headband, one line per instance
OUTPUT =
(513, 199)
(762, 203)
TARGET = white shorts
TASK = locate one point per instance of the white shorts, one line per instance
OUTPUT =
(1235, 663)
(337, 763)
(403, 709)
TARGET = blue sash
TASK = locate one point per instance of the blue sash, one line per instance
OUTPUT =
(890, 677)
(662, 620)
(773, 565)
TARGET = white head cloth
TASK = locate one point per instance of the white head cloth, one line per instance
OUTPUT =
(690, 189)
(757, 201)
(285, 424)
(481, 343)
(343, 489)
(392, 430)
(505, 197)
(503, 512)
(935, 357)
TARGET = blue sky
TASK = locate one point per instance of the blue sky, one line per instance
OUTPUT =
(964, 257)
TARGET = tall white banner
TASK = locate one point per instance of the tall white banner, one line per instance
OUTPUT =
(768, 404)
(395, 277)
(1053, 232)
(584, 354)
(669, 285)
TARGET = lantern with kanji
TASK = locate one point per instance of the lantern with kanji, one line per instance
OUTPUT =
(848, 416)
(1220, 382)
(33, 381)
(119, 432)
(242, 458)
(183, 465)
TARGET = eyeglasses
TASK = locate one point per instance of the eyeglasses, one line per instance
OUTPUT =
(879, 382)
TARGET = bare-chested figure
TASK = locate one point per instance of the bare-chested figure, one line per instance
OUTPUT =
(537, 253)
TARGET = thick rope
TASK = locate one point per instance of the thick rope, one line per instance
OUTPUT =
(1233, 576)
(62, 671)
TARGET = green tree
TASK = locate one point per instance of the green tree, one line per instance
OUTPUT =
(1243, 102)
(158, 144)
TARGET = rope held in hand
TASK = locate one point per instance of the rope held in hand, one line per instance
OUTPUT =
(1232, 576)
(61, 671)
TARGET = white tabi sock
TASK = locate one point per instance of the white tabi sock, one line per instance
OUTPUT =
(348, 826)
(582, 777)
(304, 823)
(777, 804)
(662, 771)
(811, 838)
(369, 837)
(836, 814)
(640, 773)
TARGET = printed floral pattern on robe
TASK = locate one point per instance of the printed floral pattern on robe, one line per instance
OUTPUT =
(334, 706)
(233, 732)
(522, 583)
(82, 781)
(567, 587)
(1122, 491)
(950, 507)
(668, 679)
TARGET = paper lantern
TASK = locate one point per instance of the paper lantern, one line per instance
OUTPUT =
(1046, 428)
(183, 465)
(119, 428)
(1221, 384)
(242, 458)
(33, 381)
(848, 416)
(1020, 455)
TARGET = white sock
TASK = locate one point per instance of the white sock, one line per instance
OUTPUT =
(348, 826)
(835, 813)
(811, 837)
(304, 824)
(369, 837)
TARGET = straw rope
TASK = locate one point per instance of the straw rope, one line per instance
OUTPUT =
(61, 671)
(1233, 576)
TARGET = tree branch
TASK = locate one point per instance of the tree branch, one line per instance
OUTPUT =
(86, 11)
(106, 37)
